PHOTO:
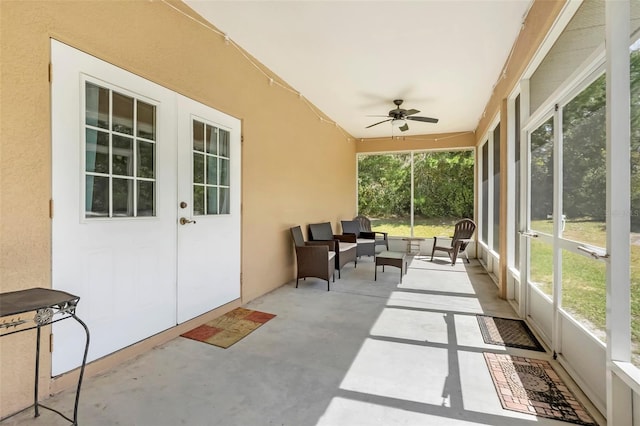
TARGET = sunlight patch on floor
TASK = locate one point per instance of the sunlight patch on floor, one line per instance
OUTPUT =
(398, 370)
(407, 324)
(343, 411)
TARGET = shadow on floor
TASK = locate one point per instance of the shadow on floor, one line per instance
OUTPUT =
(365, 353)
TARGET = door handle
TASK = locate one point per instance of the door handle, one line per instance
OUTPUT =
(529, 234)
(596, 254)
(184, 221)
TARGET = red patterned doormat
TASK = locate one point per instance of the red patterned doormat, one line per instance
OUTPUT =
(226, 330)
(508, 332)
(531, 386)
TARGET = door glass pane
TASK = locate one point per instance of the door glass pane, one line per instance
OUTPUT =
(97, 106)
(485, 193)
(224, 143)
(122, 113)
(97, 151)
(146, 198)
(211, 140)
(224, 172)
(212, 170)
(122, 197)
(224, 201)
(97, 196)
(146, 159)
(384, 192)
(198, 200)
(198, 168)
(198, 136)
(122, 156)
(584, 166)
(541, 265)
(584, 291)
(146, 120)
(212, 200)
(541, 202)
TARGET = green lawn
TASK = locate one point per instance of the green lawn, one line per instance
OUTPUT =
(584, 279)
(425, 228)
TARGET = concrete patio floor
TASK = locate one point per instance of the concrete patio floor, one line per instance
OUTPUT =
(365, 353)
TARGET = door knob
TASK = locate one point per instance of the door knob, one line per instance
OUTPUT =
(184, 221)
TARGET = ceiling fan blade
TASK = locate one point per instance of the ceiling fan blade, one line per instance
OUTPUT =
(404, 128)
(377, 115)
(380, 122)
(423, 119)
(411, 112)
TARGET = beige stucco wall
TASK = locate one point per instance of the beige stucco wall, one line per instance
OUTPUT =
(294, 171)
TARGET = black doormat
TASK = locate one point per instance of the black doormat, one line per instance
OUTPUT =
(509, 332)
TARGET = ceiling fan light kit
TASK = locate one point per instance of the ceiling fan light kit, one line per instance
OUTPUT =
(399, 117)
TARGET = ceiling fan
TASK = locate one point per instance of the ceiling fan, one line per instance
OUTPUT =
(399, 117)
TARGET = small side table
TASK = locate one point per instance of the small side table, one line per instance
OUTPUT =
(391, 258)
(47, 304)
(413, 244)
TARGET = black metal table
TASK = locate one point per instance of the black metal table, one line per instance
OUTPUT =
(47, 304)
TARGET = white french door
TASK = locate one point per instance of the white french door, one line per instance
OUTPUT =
(208, 208)
(122, 163)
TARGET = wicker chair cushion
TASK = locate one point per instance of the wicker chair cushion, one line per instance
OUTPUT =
(366, 241)
(347, 246)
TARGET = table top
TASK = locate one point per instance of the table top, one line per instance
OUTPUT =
(17, 302)
(413, 239)
(391, 255)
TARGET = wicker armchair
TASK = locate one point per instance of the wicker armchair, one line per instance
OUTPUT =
(365, 240)
(313, 259)
(380, 237)
(345, 244)
(461, 238)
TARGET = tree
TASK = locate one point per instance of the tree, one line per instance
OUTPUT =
(443, 184)
(384, 185)
(542, 171)
(584, 153)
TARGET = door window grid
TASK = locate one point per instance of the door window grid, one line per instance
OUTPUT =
(211, 160)
(120, 138)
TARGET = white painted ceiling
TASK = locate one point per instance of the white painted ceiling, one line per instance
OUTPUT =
(351, 59)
